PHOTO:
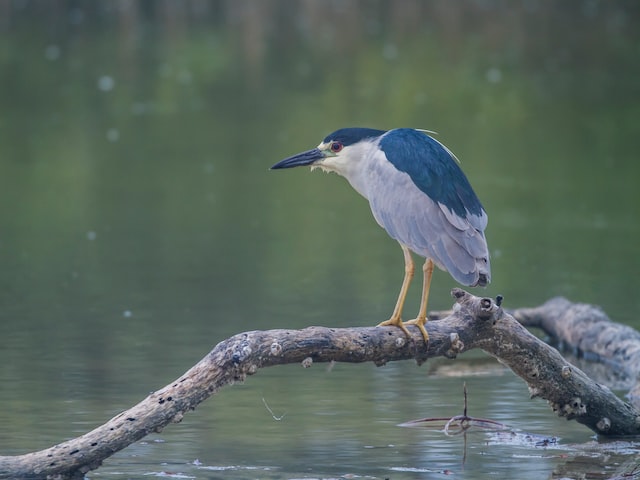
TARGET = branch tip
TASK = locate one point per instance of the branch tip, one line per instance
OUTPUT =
(458, 293)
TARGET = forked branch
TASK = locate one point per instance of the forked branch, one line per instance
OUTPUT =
(475, 323)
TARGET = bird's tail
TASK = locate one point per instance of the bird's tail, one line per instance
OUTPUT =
(484, 272)
(483, 280)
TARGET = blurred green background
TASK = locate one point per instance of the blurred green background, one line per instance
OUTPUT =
(140, 225)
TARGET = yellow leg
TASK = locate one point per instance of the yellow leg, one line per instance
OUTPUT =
(419, 322)
(396, 316)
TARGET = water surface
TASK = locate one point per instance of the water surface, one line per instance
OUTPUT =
(140, 225)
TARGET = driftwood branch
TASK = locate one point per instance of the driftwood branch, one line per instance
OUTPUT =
(590, 333)
(474, 323)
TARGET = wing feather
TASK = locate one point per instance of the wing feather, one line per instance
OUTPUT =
(428, 228)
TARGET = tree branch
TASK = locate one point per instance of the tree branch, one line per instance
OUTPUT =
(588, 329)
(474, 323)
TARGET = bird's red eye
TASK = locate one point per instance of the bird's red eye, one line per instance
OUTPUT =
(336, 147)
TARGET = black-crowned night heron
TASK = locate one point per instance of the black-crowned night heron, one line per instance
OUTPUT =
(419, 195)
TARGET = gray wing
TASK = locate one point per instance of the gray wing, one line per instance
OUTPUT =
(430, 229)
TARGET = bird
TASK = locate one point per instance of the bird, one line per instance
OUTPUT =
(419, 194)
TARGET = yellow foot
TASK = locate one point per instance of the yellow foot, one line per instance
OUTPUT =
(419, 322)
(395, 322)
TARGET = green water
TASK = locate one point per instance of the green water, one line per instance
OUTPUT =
(140, 225)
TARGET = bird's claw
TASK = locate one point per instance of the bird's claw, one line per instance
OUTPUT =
(419, 322)
(395, 322)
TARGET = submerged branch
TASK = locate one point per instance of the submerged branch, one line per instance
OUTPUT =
(474, 323)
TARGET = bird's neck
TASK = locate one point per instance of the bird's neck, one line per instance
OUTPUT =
(359, 167)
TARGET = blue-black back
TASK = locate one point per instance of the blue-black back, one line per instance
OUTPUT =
(432, 168)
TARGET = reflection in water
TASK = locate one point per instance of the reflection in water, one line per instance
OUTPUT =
(139, 224)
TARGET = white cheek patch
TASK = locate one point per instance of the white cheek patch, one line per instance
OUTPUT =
(335, 163)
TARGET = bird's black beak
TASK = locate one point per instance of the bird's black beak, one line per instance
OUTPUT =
(301, 159)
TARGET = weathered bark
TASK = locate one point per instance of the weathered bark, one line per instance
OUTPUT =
(588, 331)
(586, 328)
(475, 323)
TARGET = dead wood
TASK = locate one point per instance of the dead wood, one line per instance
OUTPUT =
(474, 323)
(588, 331)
